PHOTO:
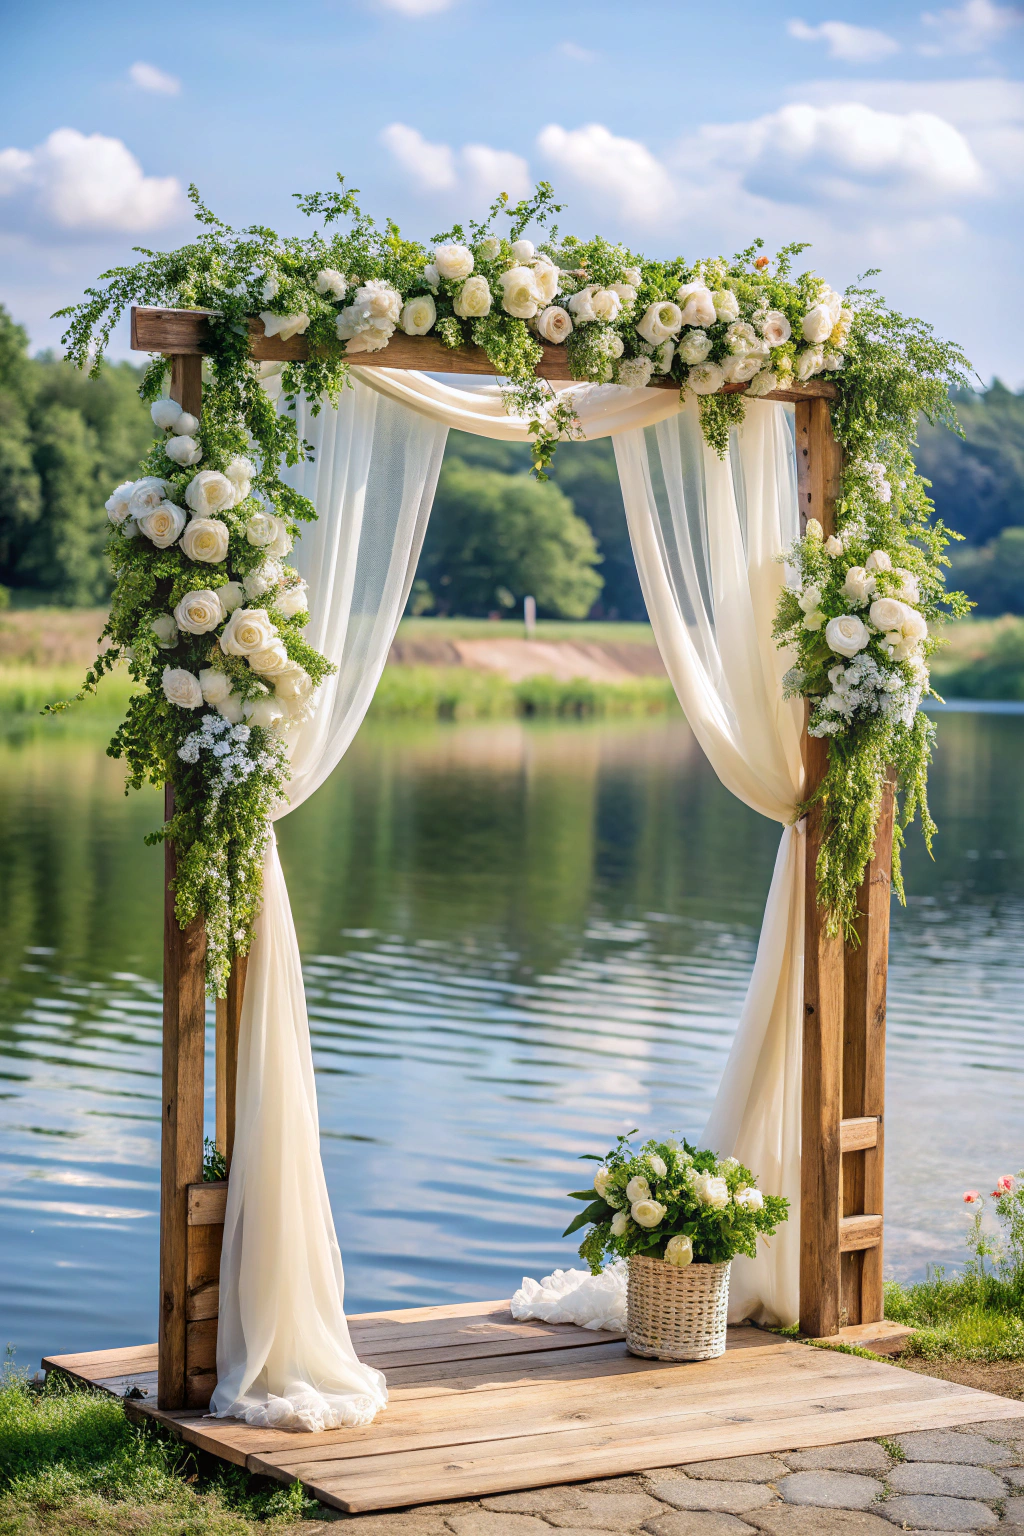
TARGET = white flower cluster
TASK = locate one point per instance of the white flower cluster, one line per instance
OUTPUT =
(864, 687)
(248, 633)
(228, 746)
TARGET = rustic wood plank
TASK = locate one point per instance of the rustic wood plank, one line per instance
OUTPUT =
(229, 1017)
(181, 1147)
(858, 1134)
(187, 332)
(207, 1201)
(204, 1245)
(857, 1232)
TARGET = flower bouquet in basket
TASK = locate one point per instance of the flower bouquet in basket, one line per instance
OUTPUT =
(679, 1215)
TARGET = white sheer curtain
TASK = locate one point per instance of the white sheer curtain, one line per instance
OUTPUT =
(284, 1355)
(706, 535)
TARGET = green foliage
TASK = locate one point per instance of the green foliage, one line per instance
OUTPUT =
(977, 480)
(495, 537)
(460, 693)
(672, 1201)
(990, 668)
(994, 574)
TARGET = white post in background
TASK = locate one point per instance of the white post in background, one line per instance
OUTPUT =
(530, 616)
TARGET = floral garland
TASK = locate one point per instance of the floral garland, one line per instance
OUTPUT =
(746, 325)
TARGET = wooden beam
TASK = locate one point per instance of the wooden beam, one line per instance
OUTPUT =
(858, 1134)
(181, 1144)
(186, 332)
(857, 1232)
(819, 464)
(229, 1016)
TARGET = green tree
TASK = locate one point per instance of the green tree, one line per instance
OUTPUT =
(493, 538)
(978, 481)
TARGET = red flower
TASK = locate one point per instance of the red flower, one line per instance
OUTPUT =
(1004, 1185)
(970, 1195)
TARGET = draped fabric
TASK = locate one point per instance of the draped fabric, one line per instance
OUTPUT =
(284, 1355)
(706, 535)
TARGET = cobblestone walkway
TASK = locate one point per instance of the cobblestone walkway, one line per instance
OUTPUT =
(969, 1479)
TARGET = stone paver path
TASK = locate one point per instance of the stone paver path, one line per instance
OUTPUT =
(969, 1479)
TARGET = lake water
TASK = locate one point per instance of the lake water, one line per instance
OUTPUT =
(519, 940)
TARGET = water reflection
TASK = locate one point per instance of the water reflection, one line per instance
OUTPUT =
(519, 940)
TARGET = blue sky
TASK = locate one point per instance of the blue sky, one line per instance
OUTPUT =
(888, 135)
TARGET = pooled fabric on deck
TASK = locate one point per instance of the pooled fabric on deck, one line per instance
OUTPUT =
(576, 1296)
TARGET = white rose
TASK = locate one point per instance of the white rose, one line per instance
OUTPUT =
(601, 1178)
(832, 361)
(775, 328)
(698, 304)
(817, 324)
(606, 304)
(660, 321)
(118, 500)
(663, 356)
(841, 329)
(215, 685)
(147, 493)
(166, 631)
(626, 293)
(240, 472)
(231, 708)
(658, 1165)
(362, 332)
(554, 324)
(293, 683)
(182, 688)
(520, 295)
(285, 326)
(266, 712)
(809, 362)
(489, 248)
(727, 306)
(705, 379)
(380, 300)
(635, 373)
(130, 528)
(205, 539)
(909, 591)
(763, 383)
(633, 276)
(810, 599)
(261, 529)
(269, 659)
(269, 290)
(914, 625)
(280, 545)
(432, 277)
(648, 1213)
(887, 613)
(620, 1223)
(292, 601)
(473, 298)
(547, 280)
(328, 281)
(858, 585)
(165, 414)
(209, 492)
(833, 546)
(248, 630)
(262, 580)
(847, 635)
(638, 1189)
(163, 525)
(183, 450)
(231, 596)
(679, 1250)
(711, 1190)
(694, 347)
(524, 250)
(741, 337)
(741, 367)
(749, 1199)
(199, 612)
(613, 345)
(418, 315)
(582, 307)
(878, 560)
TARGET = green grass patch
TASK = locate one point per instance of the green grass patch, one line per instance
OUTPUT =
(71, 1462)
(963, 1317)
(983, 660)
(25, 691)
(460, 693)
(582, 630)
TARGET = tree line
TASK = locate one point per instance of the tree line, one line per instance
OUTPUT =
(495, 534)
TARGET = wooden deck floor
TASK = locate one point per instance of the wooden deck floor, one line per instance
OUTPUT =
(481, 1404)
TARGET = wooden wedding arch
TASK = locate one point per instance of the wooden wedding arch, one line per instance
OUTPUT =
(844, 987)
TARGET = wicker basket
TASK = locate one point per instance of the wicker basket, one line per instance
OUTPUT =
(676, 1313)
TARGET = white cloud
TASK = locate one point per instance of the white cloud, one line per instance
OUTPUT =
(857, 45)
(417, 7)
(975, 26)
(75, 181)
(622, 171)
(148, 78)
(476, 170)
(577, 54)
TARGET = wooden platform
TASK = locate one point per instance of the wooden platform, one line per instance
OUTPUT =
(481, 1404)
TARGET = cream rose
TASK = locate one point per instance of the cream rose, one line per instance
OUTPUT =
(698, 306)
(581, 307)
(147, 494)
(231, 596)
(887, 613)
(165, 414)
(658, 1165)
(181, 688)
(554, 324)
(285, 326)
(648, 1213)
(248, 630)
(858, 585)
(817, 324)
(546, 280)
(231, 708)
(601, 1179)
(808, 364)
(432, 277)
(727, 305)
(741, 337)
(847, 635)
(638, 1189)
(741, 367)
(910, 590)
(205, 539)
(291, 602)
(163, 525)
(775, 328)
(118, 500)
(620, 1224)
(711, 1190)
(878, 560)
(380, 300)
(183, 450)
(199, 612)
(166, 631)
(266, 712)
(216, 685)
(362, 332)
(663, 356)
(269, 659)
(262, 580)
(749, 1199)
(293, 683)
(489, 248)
(705, 379)
(473, 298)
(261, 529)
(524, 250)
(833, 546)
(209, 492)
(763, 383)
(633, 276)
(694, 347)
(331, 283)
(418, 315)
(626, 293)
(606, 304)
(635, 373)
(679, 1250)
(240, 472)
(660, 321)
(520, 295)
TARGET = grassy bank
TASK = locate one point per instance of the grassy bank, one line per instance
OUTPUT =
(962, 1317)
(983, 660)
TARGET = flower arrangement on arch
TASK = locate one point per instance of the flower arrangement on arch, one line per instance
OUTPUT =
(669, 1200)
